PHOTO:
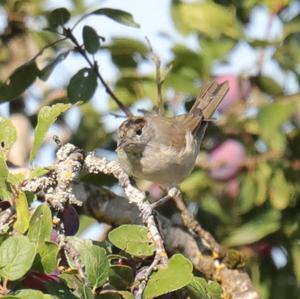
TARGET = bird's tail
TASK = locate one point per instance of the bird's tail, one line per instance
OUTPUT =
(209, 99)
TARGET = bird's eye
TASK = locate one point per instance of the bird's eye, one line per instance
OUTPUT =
(138, 132)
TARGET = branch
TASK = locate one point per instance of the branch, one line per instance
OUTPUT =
(191, 223)
(106, 206)
(59, 186)
(68, 34)
(57, 189)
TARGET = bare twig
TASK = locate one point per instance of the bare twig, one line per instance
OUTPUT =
(262, 52)
(47, 47)
(159, 79)
(191, 223)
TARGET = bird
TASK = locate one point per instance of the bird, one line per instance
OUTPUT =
(162, 149)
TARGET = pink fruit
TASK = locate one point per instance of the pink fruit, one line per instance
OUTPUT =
(70, 220)
(262, 248)
(239, 90)
(226, 160)
(36, 280)
(155, 191)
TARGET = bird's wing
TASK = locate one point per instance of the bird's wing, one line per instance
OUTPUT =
(170, 132)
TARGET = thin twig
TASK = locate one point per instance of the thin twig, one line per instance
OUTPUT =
(143, 276)
(46, 47)
(262, 52)
(191, 223)
(69, 34)
(159, 80)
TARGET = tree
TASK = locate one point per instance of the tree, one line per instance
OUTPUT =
(239, 235)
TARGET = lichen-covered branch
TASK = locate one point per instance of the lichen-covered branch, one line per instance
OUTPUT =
(60, 186)
(57, 185)
(57, 189)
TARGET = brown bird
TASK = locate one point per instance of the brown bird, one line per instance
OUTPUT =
(164, 149)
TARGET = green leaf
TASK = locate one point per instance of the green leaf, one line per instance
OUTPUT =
(22, 223)
(4, 191)
(208, 18)
(59, 290)
(268, 85)
(16, 178)
(248, 193)
(195, 184)
(16, 257)
(131, 86)
(48, 69)
(94, 259)
(254, 230)
(82, 85)
(287, 55)
(18, 81)
(96, 265)
(77, 244)
(117, 15)
(47, 254)
(133, 239)
(263, 175)
(8, 134)
(85, 292)
(32, 294)
(116, 295)
(291, 27)
(295, 253)
(281, 191)
(58, 17)
(126, 295)
(199, 288)
(214, 290)
(46, 117)
(270, 126)
(71, 280)
(90, 39)
(40, 225)
(175, 276)
(37, 172)
(120, 276)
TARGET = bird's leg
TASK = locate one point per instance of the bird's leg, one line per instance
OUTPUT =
(160, 202)
(163, 199)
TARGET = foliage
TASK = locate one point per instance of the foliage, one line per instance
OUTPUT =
(249, 201)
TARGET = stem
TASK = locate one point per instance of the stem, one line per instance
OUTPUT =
(46, 47)
(190, 222)
(159, 80)
(261, 54)
(68, 34)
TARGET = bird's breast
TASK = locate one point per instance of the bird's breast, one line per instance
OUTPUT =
(161, 163)
(168, 165)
